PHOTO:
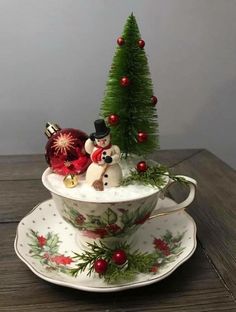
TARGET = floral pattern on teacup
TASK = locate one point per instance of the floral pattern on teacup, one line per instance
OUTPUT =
(110, 223)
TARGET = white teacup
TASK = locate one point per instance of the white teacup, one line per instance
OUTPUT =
(114, 220)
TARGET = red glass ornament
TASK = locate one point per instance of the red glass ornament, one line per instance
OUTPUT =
(141, 43)
(124, 81)
(119, 257)
(120, 41)
(113, 119)
(65, 152)
(100, 266)
(142, 166)
(142, 137)
(154, 100)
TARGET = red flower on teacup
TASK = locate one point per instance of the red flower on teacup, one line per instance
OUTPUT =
(80, 219)
(41, 240)
(113, 228)
(122, 210)
(162, 246)
(98, 233)
(142, 219)
(101, 232)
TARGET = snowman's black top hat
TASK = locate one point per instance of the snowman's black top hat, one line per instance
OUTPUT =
(101, 129)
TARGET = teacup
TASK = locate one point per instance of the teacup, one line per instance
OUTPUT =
(114, 220)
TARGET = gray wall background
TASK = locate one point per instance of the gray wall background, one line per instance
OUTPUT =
(55, 56)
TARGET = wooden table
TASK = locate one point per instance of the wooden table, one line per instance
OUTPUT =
(206, 282)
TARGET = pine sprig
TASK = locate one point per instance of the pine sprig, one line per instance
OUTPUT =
(155, 176)
(137, 262)
(141, 261)
(165, 250)
(88, 257)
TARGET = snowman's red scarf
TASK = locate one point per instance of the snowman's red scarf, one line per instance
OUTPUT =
(97, 155)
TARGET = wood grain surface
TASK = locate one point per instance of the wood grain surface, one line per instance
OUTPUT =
(214, 210)
(206, 282)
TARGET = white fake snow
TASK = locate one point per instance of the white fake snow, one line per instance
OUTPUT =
(85, 192)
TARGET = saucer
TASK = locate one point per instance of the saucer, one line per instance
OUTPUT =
(43, 235)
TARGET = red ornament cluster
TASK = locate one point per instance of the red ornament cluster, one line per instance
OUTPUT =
(113, 119)
(142, 136)
(142, 166)
(124, 81)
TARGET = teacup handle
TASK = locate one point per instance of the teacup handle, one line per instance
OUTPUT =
(191, 183)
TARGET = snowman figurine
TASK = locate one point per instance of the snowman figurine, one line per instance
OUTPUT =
(104, 169)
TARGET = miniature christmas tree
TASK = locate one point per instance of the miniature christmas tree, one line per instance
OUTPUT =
(129, 104)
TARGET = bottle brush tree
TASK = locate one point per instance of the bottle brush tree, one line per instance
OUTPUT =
(129, 105)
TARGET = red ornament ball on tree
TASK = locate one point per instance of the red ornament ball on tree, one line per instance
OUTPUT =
(100, 266)
(119, 257)
(154, 100)
(120, 41)
(142, 137)
(141, 43)
(113, 119)
(65, 152)
(142, 166)
(124, 81)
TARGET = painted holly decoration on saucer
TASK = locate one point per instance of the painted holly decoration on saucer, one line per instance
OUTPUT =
(118, 264)
(45, 248)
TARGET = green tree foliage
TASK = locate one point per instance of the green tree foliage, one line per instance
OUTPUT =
(132, 104)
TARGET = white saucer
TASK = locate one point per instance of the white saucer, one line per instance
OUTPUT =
(45, 219)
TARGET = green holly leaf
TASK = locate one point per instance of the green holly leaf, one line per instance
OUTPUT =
(168, 236)
(53, 240)
(36, 249)
(109, 216)
(128, 218)
(37, 257)
(179, 237)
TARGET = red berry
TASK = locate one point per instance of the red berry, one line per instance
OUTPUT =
(141, 43)
(113, 119)
(142, 166)
(142, 137)
(154, 100)
(124, 81)
(119, 257)
(100, 266)
(120, 41)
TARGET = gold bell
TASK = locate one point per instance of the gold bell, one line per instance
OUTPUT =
(71, 180)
